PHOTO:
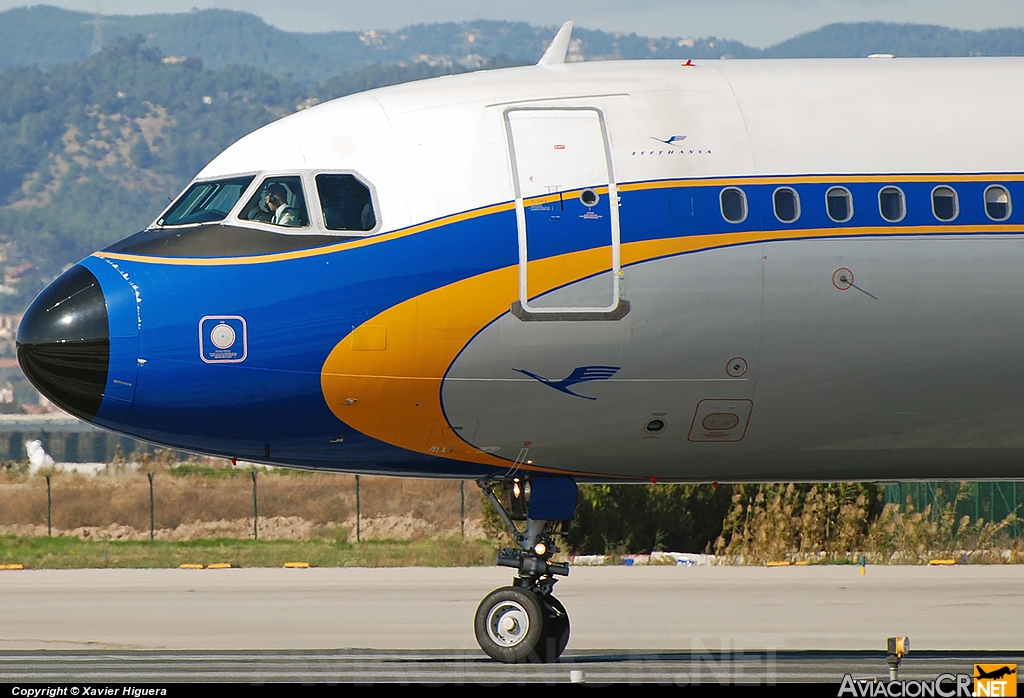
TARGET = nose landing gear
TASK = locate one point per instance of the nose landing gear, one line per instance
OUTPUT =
(524, 622)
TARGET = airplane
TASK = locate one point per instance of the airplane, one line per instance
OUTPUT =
(821, 282)
(995, 673)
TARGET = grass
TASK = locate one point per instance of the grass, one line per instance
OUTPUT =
(73, 553)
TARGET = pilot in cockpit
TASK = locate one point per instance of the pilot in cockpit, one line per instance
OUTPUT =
(276, 197)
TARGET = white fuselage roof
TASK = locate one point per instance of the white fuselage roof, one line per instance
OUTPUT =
(437, 147)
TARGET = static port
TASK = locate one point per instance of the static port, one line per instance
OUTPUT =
(736, 367)
(655, 425)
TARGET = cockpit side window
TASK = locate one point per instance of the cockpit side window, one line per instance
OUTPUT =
(279, 201)
(206, 202)
(346, 203)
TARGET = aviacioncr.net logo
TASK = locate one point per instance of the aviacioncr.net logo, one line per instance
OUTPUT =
(943, 686)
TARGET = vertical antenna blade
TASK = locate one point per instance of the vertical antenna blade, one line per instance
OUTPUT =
(559, 46)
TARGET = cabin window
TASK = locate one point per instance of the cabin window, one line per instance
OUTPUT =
(944, 203)
(346, 203)
(278, 201)
(891, 204)
(787, 204)
(997, 203)
(206, 202)
(839, 204)
(734, 204)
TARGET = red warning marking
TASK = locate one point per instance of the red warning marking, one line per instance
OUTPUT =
(559, 146)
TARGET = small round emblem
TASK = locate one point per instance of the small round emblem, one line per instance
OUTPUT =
(222, 336)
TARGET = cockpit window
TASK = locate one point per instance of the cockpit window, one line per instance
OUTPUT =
(346, 203)
(205, 202)
(279, 201)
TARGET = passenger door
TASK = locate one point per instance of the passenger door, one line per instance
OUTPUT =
(566, 213)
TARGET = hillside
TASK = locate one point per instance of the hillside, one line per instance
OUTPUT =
(90, 151)
(48, 36)
(863, 39)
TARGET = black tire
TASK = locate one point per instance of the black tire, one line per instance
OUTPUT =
(510, 625)
(556, 629)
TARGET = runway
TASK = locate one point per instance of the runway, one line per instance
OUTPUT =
(472, 667)
(669, 624)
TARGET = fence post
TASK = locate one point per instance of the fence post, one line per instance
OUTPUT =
(255, 508)
(152, 518)
(49, 508)
(462, 507)
(358, 512)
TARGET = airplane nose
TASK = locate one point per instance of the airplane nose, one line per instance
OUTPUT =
(64, 342)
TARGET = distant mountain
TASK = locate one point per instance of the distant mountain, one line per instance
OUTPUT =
(852, 40)
(90, 150)
(45, 36)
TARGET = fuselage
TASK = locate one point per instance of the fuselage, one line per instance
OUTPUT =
(733, 270)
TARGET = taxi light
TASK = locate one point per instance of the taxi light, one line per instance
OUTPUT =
(898, 646)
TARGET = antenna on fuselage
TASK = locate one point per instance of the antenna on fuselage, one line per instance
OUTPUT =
(559, 46)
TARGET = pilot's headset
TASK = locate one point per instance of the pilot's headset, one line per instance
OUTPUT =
(262, 198)
(285, 192)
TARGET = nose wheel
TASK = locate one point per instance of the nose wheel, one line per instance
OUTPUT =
(556, 628)
(516, 626)
(524, 623)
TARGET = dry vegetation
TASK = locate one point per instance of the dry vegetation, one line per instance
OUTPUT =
(203, 510)
(213, 500)
(835, 523)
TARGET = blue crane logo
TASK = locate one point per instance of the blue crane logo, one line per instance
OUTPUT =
(672, 140)
(581, 374)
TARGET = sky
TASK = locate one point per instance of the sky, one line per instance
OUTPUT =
(754, 22)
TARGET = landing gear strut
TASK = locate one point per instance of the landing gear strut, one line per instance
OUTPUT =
(524, 622)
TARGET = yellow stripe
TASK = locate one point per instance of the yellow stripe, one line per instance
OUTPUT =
(347, 245)
(643, 250)
(394, 395)
(636, 186)
(820, 179)
(559, 196)
(314, 252)
(775, 235)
